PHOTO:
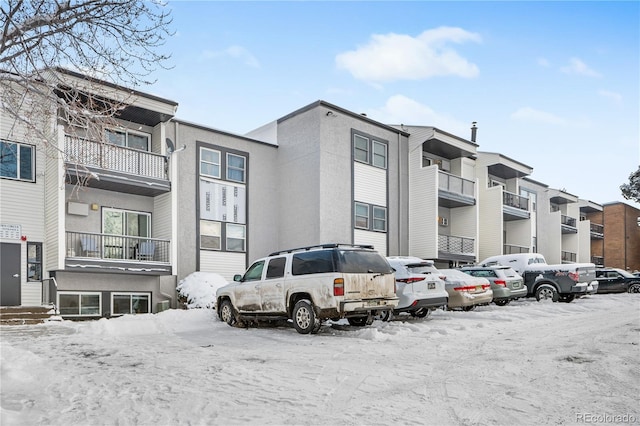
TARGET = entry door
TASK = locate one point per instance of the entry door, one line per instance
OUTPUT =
(9, 274)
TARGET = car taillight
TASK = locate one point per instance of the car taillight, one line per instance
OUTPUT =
(486, 286)
(411, 280)
(574, 276)
(338, 287)
(465, 288)
(503, 283)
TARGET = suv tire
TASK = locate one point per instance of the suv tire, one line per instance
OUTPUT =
(634, 288)
(226, 312)
(304, 319)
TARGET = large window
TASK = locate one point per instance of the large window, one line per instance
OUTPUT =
(123, 226)
(236, 237)
(362, 214)
(79, 304)
(235, 168)
(34, 261)
(129, 139)
(17, 161)
(369, 151)
(210, 235)
(130, 303)
(210, 163)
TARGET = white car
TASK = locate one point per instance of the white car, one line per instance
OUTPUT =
(418, 286)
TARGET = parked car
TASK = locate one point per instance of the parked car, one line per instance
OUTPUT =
(418, 287)
(614, 280)
(466, 291)
(506, 284)
(309, 285)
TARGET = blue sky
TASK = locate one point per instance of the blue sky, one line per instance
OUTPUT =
(554, 85)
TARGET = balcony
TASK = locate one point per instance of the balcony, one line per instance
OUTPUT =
(115, 168)
(514, 249)
(568, 257)
(117, 253)
(456, 248)
(597, 231)
(568, 224)
(597, 260)
(514, 206)
(454, 191)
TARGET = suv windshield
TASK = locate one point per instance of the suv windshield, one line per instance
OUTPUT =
(362, 262)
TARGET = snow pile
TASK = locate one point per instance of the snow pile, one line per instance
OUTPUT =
(199, 289)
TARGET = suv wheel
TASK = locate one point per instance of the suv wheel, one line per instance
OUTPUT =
(634, 288)
(304, 319)
(502, 302)
(567, 298)
(421, 313)
(546, 292)
(226, 312)
(383, 316)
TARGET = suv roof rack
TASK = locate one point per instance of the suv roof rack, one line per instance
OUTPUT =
(322, 246)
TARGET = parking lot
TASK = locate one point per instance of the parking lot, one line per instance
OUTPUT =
(524, 363)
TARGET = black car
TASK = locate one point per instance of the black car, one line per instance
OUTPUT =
(614, 280)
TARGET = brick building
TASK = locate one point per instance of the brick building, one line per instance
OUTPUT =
(621, 236)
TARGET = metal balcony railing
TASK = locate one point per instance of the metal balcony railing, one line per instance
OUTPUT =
(568, 256)
(458, 245)
(456, 184)
(515, 200)
(116, 247)
(107, 156)
(513, 249)
(568, 220)
(596, 228)
(597, 260)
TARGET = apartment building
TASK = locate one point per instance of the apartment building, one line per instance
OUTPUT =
(621, 236)
(88, 223)
(117, 218)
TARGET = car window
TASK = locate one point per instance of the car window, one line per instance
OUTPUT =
(275, 269)
(510, 273)
(362, 262)
(254, 272)
(423, 269)
(313, 262)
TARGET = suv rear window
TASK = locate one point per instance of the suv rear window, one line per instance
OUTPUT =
(313, 262)
(362, 262)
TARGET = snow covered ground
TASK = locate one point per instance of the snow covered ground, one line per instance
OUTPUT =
(526, 363)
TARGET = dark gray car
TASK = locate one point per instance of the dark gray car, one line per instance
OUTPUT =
(506, 283)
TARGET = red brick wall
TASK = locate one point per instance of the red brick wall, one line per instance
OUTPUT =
(621, 236)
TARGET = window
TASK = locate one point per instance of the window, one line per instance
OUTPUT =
(364, 211)
(210, 162)
(34, 261)
(379, 155)
(210, 235)
(123, 224)
(79, 304)
(276, 267)
(363, 146)
(362, 216)
(254, 273)
(379, 219)
(129, 139)
(130, 303)
(236, 237)
(235, 168)
(17, 161)
(426, 161)
(312, 262)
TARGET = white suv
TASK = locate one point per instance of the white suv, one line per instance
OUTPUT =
(309, 285)
(418, 286)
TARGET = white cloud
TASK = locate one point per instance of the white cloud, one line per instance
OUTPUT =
(400, 109)
(234, 52)
(577, 67)
(617, 97)
(534, 115)
(543, 62)
(402, 57)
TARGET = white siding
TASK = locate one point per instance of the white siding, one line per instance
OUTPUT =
(584, 241)
(370, 184)
(490, 229)
(377, 239)
(223, 263)
(31, 294)
(423, 208)
(161, 220)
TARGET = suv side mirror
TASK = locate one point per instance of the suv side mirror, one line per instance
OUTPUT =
(237, 277)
